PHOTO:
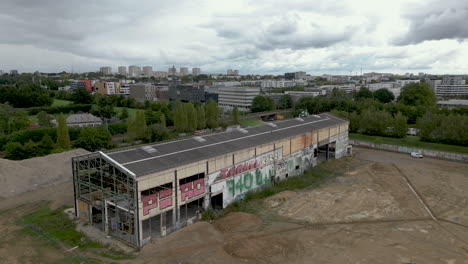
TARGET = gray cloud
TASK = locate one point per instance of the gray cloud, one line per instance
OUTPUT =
(438, 21)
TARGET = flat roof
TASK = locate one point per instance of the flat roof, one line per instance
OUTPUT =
(176, 153)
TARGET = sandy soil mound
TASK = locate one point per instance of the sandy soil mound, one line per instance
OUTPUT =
(238, 222)
(17, 177)
(266, 249)
(279, 198)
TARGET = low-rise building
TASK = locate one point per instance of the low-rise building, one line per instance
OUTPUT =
(242, 97)
(143, 91)
(83, 120)
(187, 93)
(107, 88)
(452, 103)
(144, 193)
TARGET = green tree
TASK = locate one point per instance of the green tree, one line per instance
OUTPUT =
(43, 119)
(93, 139)
(364, 93)
(63, 138)
(155, 133)
(375, 122)
(191, 113)
(400, 126)
(104, 107)
(162, 120)
(261, 104)
(235, 116)
(81, 96)
(384, 95)
(416, 94)
(201, 122)
(12, 120)
(211, 114)
(285, 102)
(124, 114)
(15, 151)
(46, 144)
(180, 117)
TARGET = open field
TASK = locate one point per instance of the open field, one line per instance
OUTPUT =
(59, 102)
(410, 141)
(250, 122)
(131, 111)
(368, 213)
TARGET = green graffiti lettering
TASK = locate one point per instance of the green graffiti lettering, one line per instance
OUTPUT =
(230, 186)
(248, 180)
(239, 185)
(258, 177)
(298, 161)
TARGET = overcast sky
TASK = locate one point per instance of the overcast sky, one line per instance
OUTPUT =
(254, 36)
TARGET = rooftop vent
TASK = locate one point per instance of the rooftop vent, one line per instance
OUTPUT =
(243, 131)
(317, 116)
(272, 125)
(300, 119)
(199, 139)
(149, 149)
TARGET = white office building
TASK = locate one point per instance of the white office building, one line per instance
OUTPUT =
(242, 97)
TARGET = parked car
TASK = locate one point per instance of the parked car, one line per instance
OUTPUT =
(416, 154)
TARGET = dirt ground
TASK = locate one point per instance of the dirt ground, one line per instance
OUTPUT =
(368, 214)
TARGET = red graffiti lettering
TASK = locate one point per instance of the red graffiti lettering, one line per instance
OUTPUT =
(232, 172)
(198, 187)
(224, 172)
(165, 203)
(165, 193)
(186, 191)
(149, 202)
(239, 169)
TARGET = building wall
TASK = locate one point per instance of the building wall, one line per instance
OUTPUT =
(234, 174)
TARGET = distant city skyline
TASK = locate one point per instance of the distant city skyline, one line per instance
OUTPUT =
(255, 37)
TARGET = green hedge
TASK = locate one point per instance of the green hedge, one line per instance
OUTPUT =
(117, 128)
(23, 136)
(65, 109)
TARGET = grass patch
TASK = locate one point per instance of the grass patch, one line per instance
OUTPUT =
(410, 141)
(55, 228)
(131, 111)
(309, 179)
(250, 122)
(59, 102)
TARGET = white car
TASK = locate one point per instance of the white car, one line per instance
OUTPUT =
(416, 155)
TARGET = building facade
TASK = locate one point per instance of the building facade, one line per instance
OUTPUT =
(122, 70)
(148, 71)
(106, 70)
(196, 71)
(134, 71)
(187, 93)
(107, 88)
(183, 71)
(143, 91)
(142, 194)
(229, 97)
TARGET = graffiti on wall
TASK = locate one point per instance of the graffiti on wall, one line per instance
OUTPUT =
(192, 189)
(240, 178)
(246, 166)
(151, 201)
(245, 182)
(296, 163)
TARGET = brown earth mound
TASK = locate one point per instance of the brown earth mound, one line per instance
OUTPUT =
(238, 222)
(19, 176)
(279, 198)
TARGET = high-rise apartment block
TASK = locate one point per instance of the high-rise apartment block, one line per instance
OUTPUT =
(196, 71)
(106, 70)
(148, 71)
(171, 71)
(122, 70)
(183, 71)
(134, 71)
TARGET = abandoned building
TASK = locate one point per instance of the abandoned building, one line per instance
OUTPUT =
(144, 193)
